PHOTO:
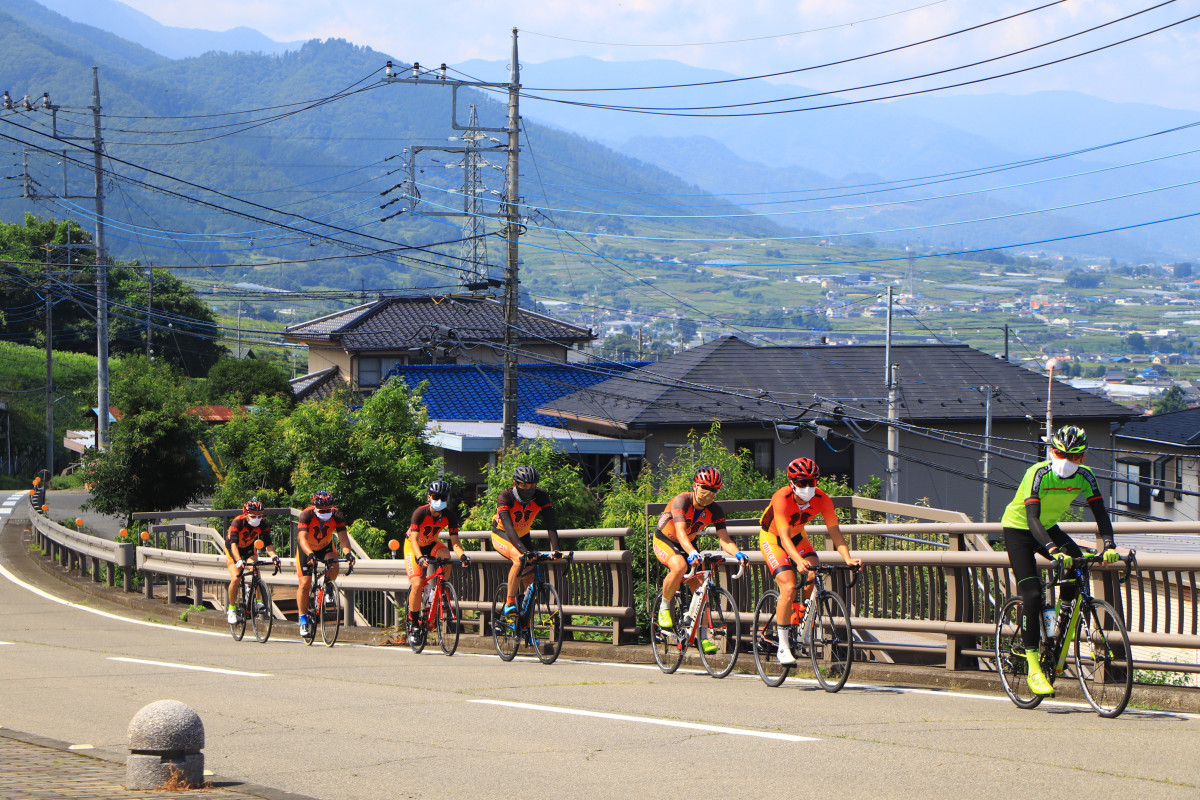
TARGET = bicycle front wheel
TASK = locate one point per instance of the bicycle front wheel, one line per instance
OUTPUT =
(668, 643)
(238, 629)
(1010, 655)
(448, 616)
(261, 613)
(832, 649)
(1103, 660)
(765, 642)
(331, 615)
(720, 633)
(546, 624)
(505, 629)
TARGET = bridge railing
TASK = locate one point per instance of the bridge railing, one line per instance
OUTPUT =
(76, 550)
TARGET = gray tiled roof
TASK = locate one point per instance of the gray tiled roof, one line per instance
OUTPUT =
(1180, 428)
(938, 382)
(401, 323)
(317, 385)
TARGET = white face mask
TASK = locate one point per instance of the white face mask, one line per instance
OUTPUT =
(437, 505)
(1062, 467)
(805, 493)
(254, 521)
(324, 515)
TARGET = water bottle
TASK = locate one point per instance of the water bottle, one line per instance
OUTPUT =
(693, 608)
(797, 613)
(427, 593)
(1049, 623)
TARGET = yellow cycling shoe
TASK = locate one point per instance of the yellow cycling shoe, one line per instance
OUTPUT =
(708, 646)
(664, 618)
(1036, 678)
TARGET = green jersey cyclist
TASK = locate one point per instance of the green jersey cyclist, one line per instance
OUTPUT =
(1031, 526)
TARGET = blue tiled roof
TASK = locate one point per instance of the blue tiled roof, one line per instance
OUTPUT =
(470, 392)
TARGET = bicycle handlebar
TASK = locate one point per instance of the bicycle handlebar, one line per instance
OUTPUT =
(257, 564)
(535, 557)
(708, 558)
(1129, 560)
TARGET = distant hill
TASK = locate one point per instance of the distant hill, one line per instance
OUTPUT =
(134, 26)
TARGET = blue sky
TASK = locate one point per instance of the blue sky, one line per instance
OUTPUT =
(759, 36)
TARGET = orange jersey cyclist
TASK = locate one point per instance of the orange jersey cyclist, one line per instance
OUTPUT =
(245, 529)
(785, 544)
(516, 509)
(314, 534)
(687, 515)
(422, 542)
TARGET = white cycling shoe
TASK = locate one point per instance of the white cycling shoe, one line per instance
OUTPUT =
(231, 617)
(784, 655)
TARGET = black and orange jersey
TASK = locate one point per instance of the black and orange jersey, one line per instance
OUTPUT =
(689, 517)
(427, 525)
(244, 535)
(786, 516)
(523, 514)
(318, 533)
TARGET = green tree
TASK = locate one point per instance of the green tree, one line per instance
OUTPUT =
(152, 462)
(237, 381)
(1136, 342)
(574, 504)
(255, 454)
(1172, 400)
(374, 459)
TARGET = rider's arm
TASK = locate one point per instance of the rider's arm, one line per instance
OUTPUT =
(1103, 523)
(343, 537)
(1033, 516)
(679, 520)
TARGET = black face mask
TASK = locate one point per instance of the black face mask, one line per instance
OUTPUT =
(523, 496)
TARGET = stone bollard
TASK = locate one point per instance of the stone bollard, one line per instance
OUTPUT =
(165, 743)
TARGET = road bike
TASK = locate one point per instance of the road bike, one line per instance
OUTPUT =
(711, 624)
(822, 632)
(442, 612)
(1089, 628)
(324, 607)
(253, 601)
(538, 621)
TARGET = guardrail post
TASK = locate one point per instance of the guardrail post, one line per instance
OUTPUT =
(348, 608)
(148, 586)
(958, 607)
(128, 554)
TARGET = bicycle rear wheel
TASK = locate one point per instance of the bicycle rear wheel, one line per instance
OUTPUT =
(546, 624)
(766, 641)
(722, 627)
(667, 644)
(1103, 660)
(832, 648)
(261, 613)
(505, 629)
(238, 629)
(1010, 655)
(448, 620)
(331, 615)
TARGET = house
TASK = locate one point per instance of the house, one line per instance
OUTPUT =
(831, 404)
(364, 342)
(1160, 454)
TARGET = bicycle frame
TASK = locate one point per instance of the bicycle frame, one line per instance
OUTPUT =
(709, 562)
(1063, 639)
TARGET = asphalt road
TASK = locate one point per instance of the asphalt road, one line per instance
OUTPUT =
(362, 722)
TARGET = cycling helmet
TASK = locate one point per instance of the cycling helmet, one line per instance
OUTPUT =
(253, 507)
(803, 469)
(439, 487)
(323, 499)
(525, 474)
(1069, 439)
(708, 477)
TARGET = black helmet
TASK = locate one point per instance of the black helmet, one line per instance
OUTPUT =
(440, 488)
(1069, 439)
(525, 474)
(323, 499)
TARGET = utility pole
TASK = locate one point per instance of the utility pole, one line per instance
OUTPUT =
(49, 369)
(512, 231)
(101, 274)
(1050, 365)
(149, 310)
(985, 512)
(893, 438)
(887, 343)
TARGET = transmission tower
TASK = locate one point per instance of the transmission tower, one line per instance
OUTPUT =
(473, 249)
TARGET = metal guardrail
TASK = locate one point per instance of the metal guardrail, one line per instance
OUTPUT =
(73, 549)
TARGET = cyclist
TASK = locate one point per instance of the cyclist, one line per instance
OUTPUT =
(516, 509)
(422, 542)
(314, 534)
(681, 522)
(1031, 526)
(245, 529)
(785, 544)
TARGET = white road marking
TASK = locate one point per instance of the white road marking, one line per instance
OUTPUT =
(189, 666)
(81, 747)
(670, 723)
(3, 643)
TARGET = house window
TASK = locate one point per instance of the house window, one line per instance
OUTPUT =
(1165, 477)
(762, 454)
(370, 370)
(1126, 491)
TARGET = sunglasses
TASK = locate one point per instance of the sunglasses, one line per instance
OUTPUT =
(709, 488)
(805, 483)
(440, 496)
(1076, 458)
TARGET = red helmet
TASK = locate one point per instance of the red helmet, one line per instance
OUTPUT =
(803, 469)
(323, 499)
(253, 507)
(708, 477)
